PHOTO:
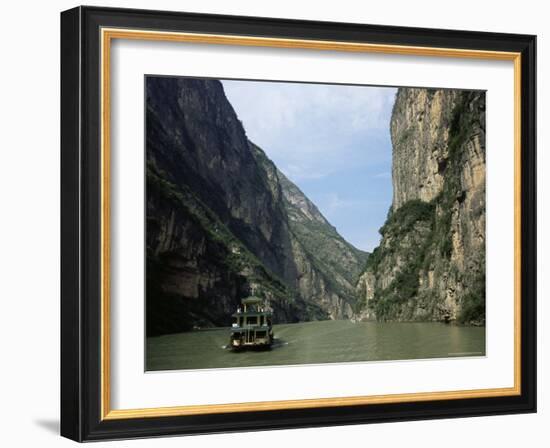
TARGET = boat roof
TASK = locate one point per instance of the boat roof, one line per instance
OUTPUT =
(252, 313)
(252, 300)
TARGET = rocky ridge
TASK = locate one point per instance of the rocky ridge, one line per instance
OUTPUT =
(223, 221)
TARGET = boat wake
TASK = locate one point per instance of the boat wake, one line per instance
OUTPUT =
(277, 343)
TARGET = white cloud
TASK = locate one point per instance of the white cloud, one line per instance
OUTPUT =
(331, 203)
(312, 130)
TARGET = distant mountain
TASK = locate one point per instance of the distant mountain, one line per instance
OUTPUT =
(330, 266)
(222, 221)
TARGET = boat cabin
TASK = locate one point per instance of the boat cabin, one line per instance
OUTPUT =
(252, 325)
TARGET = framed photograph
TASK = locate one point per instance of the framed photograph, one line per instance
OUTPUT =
(273, 223)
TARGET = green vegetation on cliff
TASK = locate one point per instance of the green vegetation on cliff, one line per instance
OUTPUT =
(413, 221)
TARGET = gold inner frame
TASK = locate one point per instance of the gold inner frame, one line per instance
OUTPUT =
(107, 35)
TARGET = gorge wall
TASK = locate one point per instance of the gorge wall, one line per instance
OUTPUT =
(222, 221)
(430, 264)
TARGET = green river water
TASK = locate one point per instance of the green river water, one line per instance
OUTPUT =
(318, 342)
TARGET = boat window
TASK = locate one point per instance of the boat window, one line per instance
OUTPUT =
(261, 320)
(252, 320)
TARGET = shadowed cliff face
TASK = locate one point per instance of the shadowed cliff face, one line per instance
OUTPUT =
(430, 264)
(222, 220)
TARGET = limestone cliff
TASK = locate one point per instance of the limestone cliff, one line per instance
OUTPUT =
(222, 220)
(430, 264)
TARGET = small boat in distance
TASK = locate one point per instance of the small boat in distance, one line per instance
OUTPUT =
(252, 325)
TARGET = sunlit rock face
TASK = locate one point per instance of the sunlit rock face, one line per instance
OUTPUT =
(430, 264)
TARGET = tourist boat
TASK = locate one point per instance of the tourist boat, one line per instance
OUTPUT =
(252, 325)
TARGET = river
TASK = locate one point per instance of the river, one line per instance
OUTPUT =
(318, 342)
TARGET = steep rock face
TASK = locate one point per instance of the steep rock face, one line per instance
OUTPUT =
(328, 266)
(195, 138)
(218, 219)
(430, 264)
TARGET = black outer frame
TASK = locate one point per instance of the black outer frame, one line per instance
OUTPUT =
(80, 223)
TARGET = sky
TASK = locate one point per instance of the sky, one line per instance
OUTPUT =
(333, 141)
